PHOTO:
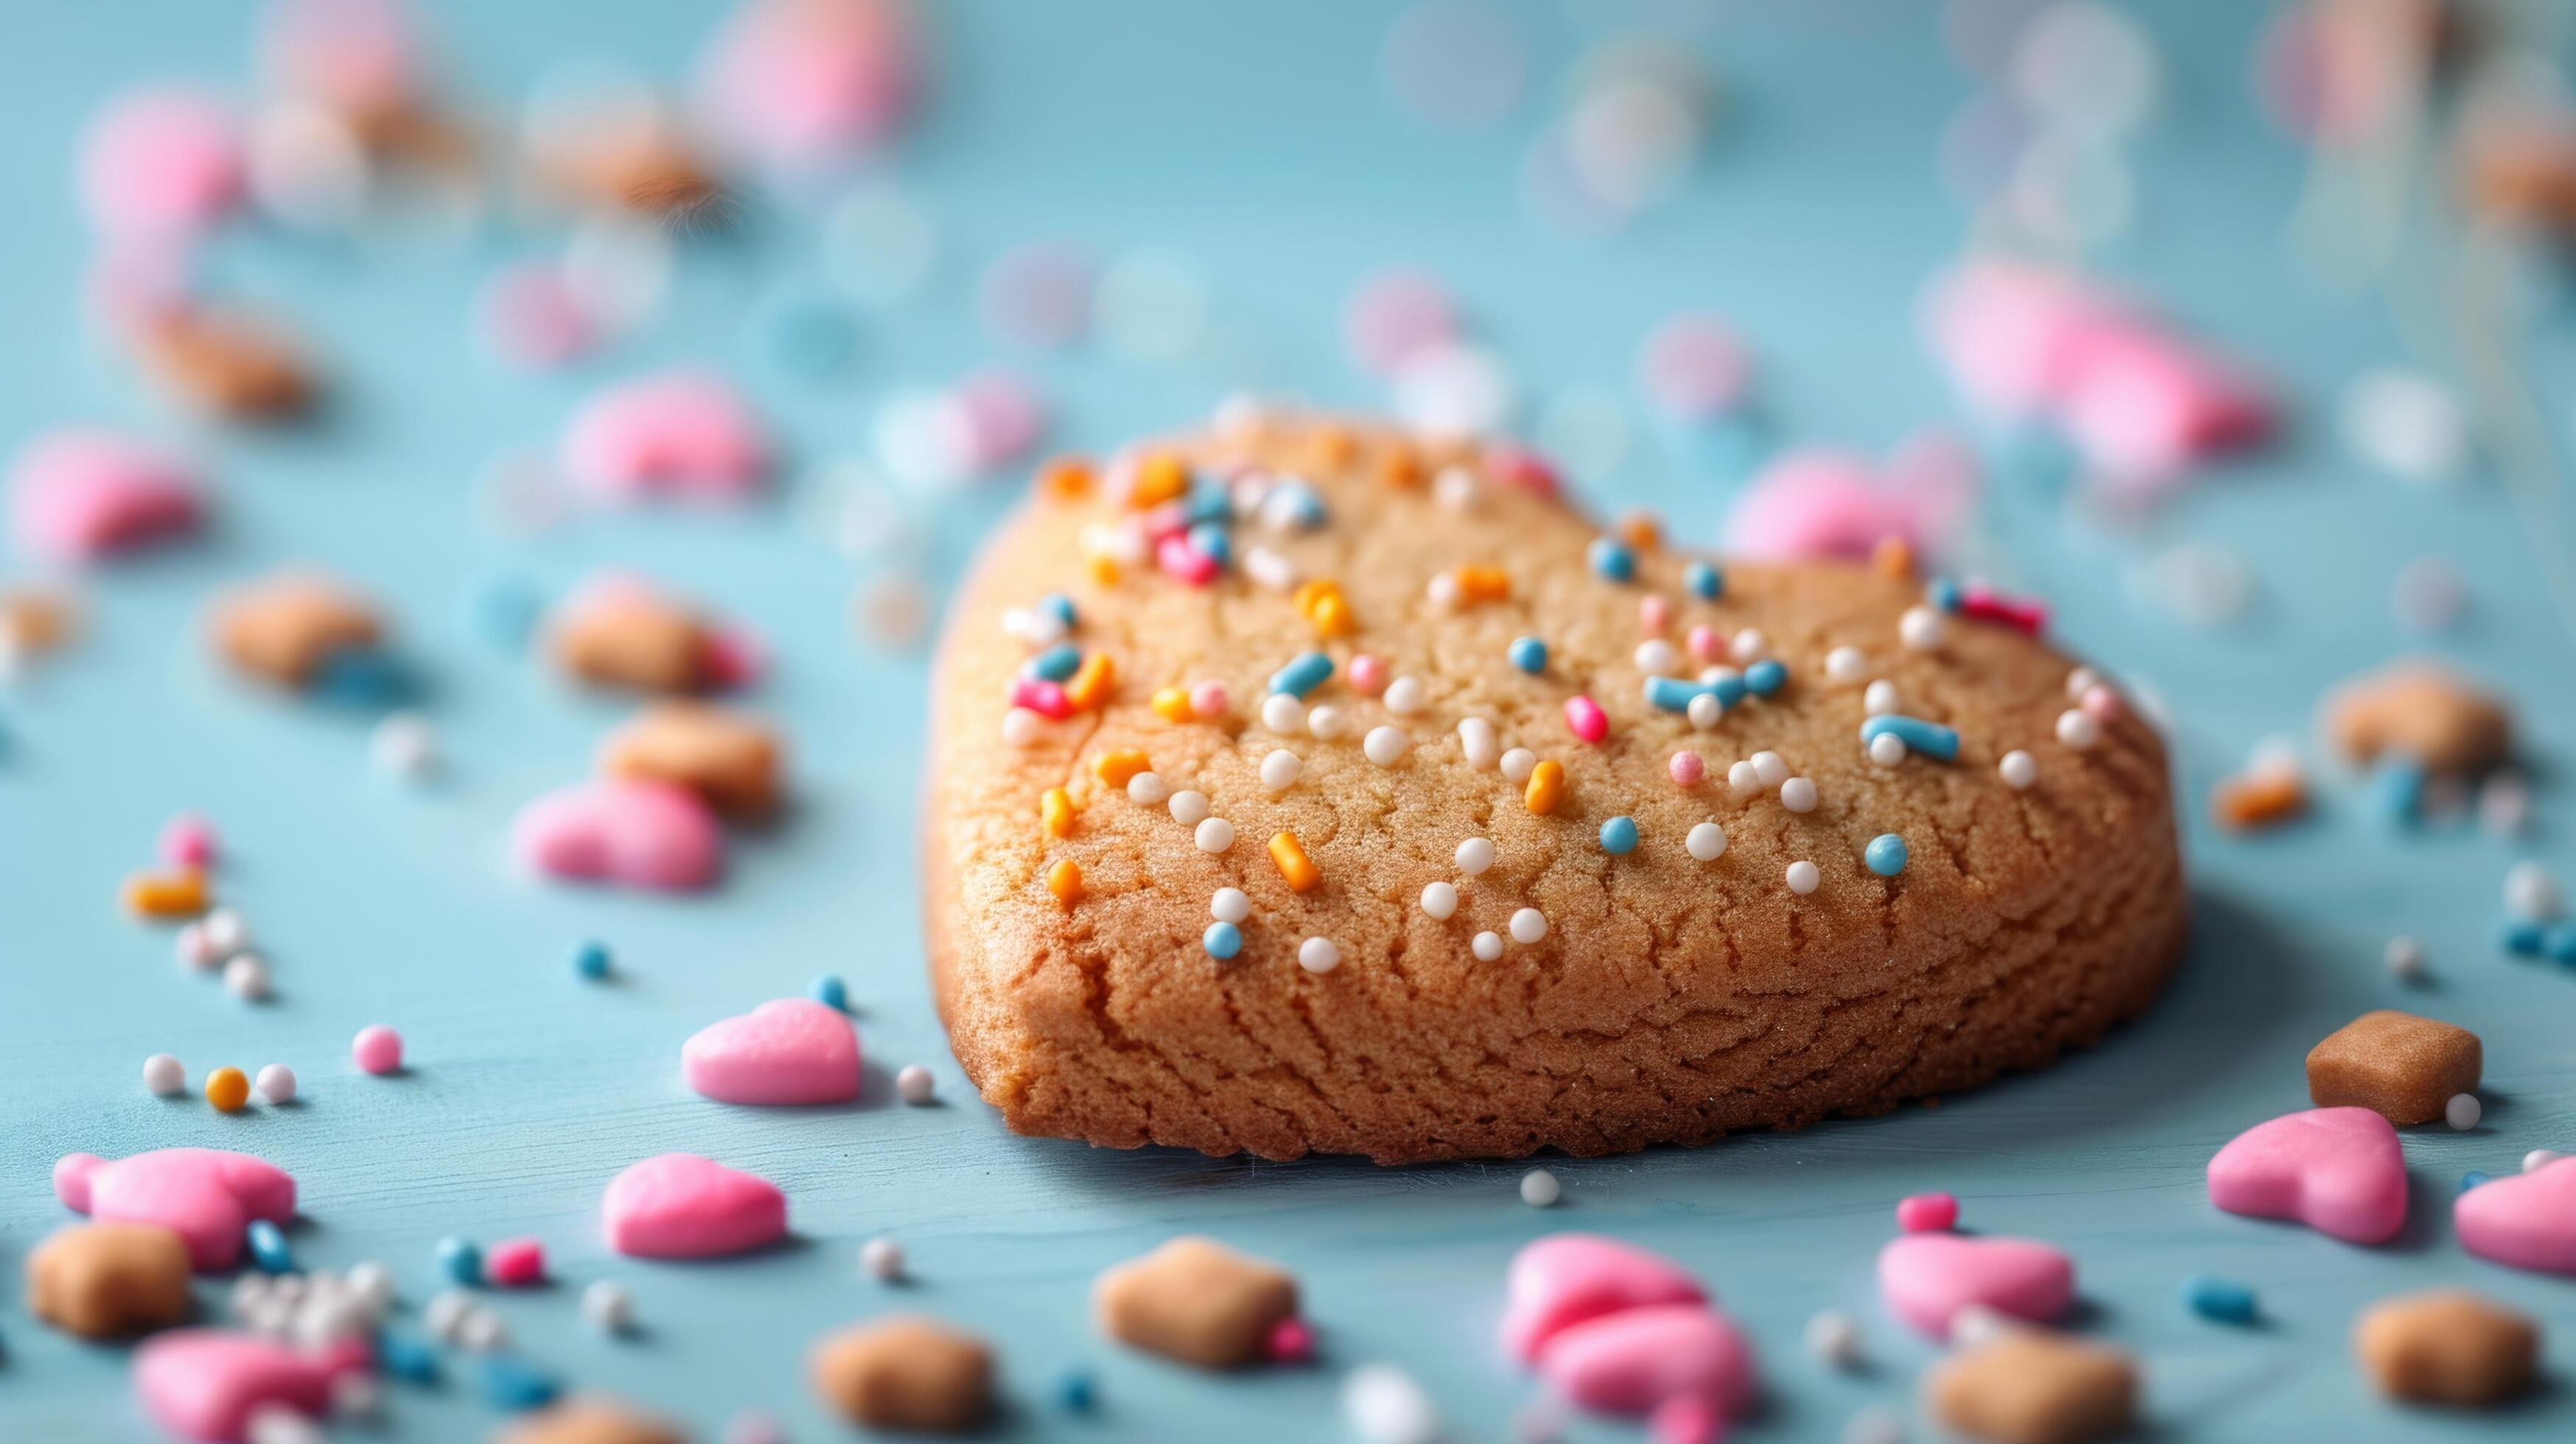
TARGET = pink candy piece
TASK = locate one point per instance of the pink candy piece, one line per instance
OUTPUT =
(790, 1051)
(204, 1384)
(1004, 417)
(207, 1196)
(1045, 698)
(1185, 563)
(1395, 316)
(1207, 700)
(1636, 1360)
(1927, 1278)
(679, 1205)
(1654, 614)
(1694, 368)
(1980, 604)
(2338, 1170)
(2526, 1220)
(1685, 1419)
(1687, 769)
(533, 319)
(1586, 719)
(635, 834)
(516, 1263)
(1705, 644)
(1368, 674)
(802, 84)
(1292, 1341)
(377, 1049)
(162, 165)
(1821, 504)
(78, 496)
(188, 841)
(1519, 467)
(682, 435)
(1927, 1212)
(359, 57)
(2102, 704)
(1567, 1279)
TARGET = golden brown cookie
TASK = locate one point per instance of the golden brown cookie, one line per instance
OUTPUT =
(588, 1419)
(283, 627)
(2404, 1068)
(2030, 1386)
(1645, 997)
(2420, 710)
(905, 1372)
(106, 1280)
(725, 757)
(2447, 1346)
(1197, 1301)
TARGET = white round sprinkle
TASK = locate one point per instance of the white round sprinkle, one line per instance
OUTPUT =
(1539, 1188)
(881, 1259)
(608, 1306)
(1975, 1324)
(914, 1085)
(2463, 1111)
(2019, 769)
(2531, 894)
(1476, 738)
(1270, 569)
(1749, 646)
(1707, 842)
(2540, 1158)
(1475, 855)
(373, 1283)
(1744, 779)
(1769, 767)
(1845, 664)
(1214, 834)
(246, 977)
(1279, 770)
(1803, 877)
(404, 745)
(1022, 727)
(1386, 746)
(278, 1424)
(2404, 957)
(1487, 946)
(1442, 591)
(1798, 794)
(1879, 698)
(1319, 955)
(1887, 749)
(1528, 925)
(275, 1084)
(1328, 723)
(2081, 681)
(225, 932)
(1518, 764)
(2077, 729)
(1147, 789)
(1704, 710)
(1404, 696)
(1283, 714)
(482, 1332)
(163, 1075)
(1385, 1406)
(1834, 1337)
(1440, 900)
(1454, 488)
(445, 1312)
(1655, 657)
(1189, 807)
(1920, 628)
(192, 947)
(1230, 905)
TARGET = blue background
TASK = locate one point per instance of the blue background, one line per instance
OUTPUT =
(1257, 140)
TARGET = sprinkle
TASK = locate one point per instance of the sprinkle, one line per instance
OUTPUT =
(1893, 558)
(1157, 478)
(1189, 806)
(1115, 768)
(1404, 696)
(1332, 616)
(1886, 749)
(1769, 768)
(1214, 834)
(268, 1247)
(1529, 654)
(1655, 655)
(2022, 615)
(2019, 769)
(1725, 684)
(1749, 646)
(1705, 711)
(1477, 739)
(1654, 614)
(1065, 881)
(1207, 700)
(2077, 729)
(1283, 713)
(1943, 594)
(1706, 842)
(1885, 854)
(1927, 1212)
(2258, 798)
(914, 1085)
(2403, 957)
(2462, 1111)
(1318, 955)
(1765, 678)
(1803, 877)
(1487, 946)
(164, 1076)
(461, 1259)
(1368, 674)
(1222, 940)
(1054, 664)
(1879, 698)
(1290, 856)
(2540, 1158)
(1743, 778)
(1046, 699)
(828, 990)
(188, 842)
(1269, 568)
(1022, 727)
(1845, 664)
(1585, 719)
(275, 1084)
(1386, 746)
(1539, 1188)
(1229, 905)
(2220, 1299)
(1440, 900)
(1929, 738)
(1546, 787)
(166, 895)
(1326, 722)
(1146, 789)
(1798, 794)
(1055, 810)
(1703, 581)
(608, 1307)
(1482, 584)
(227, 1089)
(1619, 836)
(1672, 694)
(1528, 925)
(1919, 628)
(1302, 675)
(246, 977)
(1090, 685)
(1280, 769)
(377, 1049)
(1611, 560)
(1475, 855)
(1686, 769)
(1172, 704)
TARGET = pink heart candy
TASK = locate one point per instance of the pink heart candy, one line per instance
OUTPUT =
(1637, 1360)
(161, 165)
(790, 1051)
(204, 1384)
(1820, 503)
(205, 1195)
(2338, 1170)
(2527, 1220)
(1566, 1279)
(683, 435)
(638, 834)
(1927, 1278)
(78, 496)
(800, 84)
(679, 1205)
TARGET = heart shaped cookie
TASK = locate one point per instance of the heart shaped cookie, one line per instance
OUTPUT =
(679, 1205)
(1570, 1278)
(1927, 1278)
(82, 496)
(1309, 786)
(2337, 1170)
(635, 834)
(1637, 1360)
(2527, 1220)
(680, 436)
(207, 1196)
(792, 1050)
(205, 1384)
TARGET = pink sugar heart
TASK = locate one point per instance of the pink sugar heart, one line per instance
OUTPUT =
(789, 1051)
(207, 1196)
(2338, 1170)
(79, 496)
(679, 1205)
(683, 435)
(204, 1384)
(1927, 1278)
(1823, 504)
(1566, 1279)
(800, 84)
(161, 165)
(2526, 1220)
(638, 834)
(1637, 1360)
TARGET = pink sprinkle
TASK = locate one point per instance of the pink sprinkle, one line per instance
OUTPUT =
(1987, 605)
(1207, 700)
(532, 318)
(1694, 368)
(2102, 704)
(1183, 562)
(377, 1049)
(1368, 674)
(1927, 1212)
(1292, 1341)
(1706, 644)
(1654, 613)
(1586, 718)
(1047, 699)
(1686, 1419)
(1165, 522)
(162, 165)
(1395, 316)
(1531, 472)
(515, 1263)
(1687, 769)
(188, 841)
(804, 88)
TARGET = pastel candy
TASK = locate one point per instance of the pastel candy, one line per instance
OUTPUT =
(1927, 1278)
(800, 83)
(2526, 1220)
(1567, 1279)
(634, 834)
(1638, 1360)
(161, 164)
(204, 1384)
(78, 496)
(2338, 1170)
(1823, 504)
(790, 1051)
(683, 435)
(207, 1196)
(679, 1205)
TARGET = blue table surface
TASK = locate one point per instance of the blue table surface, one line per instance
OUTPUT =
(1258, 141)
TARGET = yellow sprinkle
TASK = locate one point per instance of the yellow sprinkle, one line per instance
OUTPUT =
(1115, 768)
(1104, 571)
(1310, 595)
(1401, 466)
(1332, 617)
(1089, 685)
(1294, 865)
(1065, 881)
(227, 1089)
(1483, 584)
(166, 895)
(1067, 478)
(1332, 447)
(1546, 787)
(1056, 810)
(1172, 704)
(1160, 477)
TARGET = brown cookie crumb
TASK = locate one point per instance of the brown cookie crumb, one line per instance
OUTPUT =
(2447, 1346)
(283, 627)
(2030, 1386)
(2397, 1065)
(589, 1420)
(729, 759)
(1197, 1301)
(621, 631)
(227, 364)
(905, 1372)
(109, 1280)
(2419, 710)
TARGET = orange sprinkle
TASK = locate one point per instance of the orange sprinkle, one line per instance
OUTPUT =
(2258, 799)
(1546, 787)
(1160, 477)
(1642, 530)
(1332, 617)
(1089, 685)
(1401, 467)
(1104, 571)
(1115, 768)
(1065, 881)
(1067, 478)
(1055, 809)
(1894, 557)
(1310, 595)
(1332, 447)
(1172, 704)
(166, 895)
(1294, 865)
(1483, 584)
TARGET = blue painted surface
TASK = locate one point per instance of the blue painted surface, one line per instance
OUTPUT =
(1817, 219)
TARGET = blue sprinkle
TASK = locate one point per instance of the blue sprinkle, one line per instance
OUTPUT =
(1054, 664)
(362, 678)
(1943, 594)
(1208, 503)
(1211, 540)
(407, 1357)
(1612, 561)
(1672, 694)
(591, 959)
(1704, 581)
(1929, 738)
(1061, 606)
(461, 1259)
(504, 612)
(1619, 836)
(2473, 1178)
(268, 1247)
(2523, 938)
(2558, 944)
(828, 990)
(1223, 940)
(1885, 854)
(1294, 503)
(1302, 675)
(1727, 683)
(2397, 791)
(1766, 677)
(509, 1385)
(1529, 654)
(1079, 1393)
(2224, 1300)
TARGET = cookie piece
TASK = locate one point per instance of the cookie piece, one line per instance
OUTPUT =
(2447, 1346)
(2419, 710)
(2397, 1065)
(106, 1280)
(1197, 1301)
(905, 1372)
(2030, 1386)
(283, 628)
(724, 757)
(622, 631)
(230, 365)
(1602, 982)
(589, 1420)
